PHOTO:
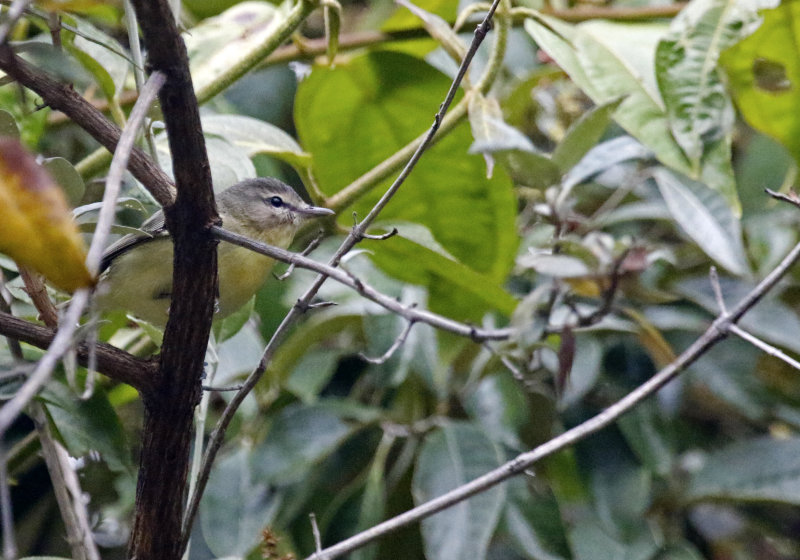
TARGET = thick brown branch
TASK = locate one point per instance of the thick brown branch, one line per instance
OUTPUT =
(167, 429)
(112, 362)
(62, 97)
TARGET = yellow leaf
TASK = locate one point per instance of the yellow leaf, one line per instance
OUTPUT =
(37, 228)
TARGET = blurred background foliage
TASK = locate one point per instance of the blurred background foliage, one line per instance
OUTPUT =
(595, 165)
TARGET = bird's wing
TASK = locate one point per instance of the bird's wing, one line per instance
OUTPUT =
(153, 228)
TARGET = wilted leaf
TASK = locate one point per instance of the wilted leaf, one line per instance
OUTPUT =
(37, 228)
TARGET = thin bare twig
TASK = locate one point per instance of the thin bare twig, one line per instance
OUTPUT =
(67, 490)
(764, 347)
(713, 334)
(307, 251)
(315, 531)
(11, 17)
(217, 436)
(392, 349)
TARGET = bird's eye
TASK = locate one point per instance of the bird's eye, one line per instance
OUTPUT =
(275, 201)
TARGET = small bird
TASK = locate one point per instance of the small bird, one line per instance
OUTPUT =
(137, 269)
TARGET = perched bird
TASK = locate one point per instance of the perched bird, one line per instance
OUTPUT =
(137, 269)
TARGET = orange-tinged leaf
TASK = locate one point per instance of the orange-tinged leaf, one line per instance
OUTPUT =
(36, 228)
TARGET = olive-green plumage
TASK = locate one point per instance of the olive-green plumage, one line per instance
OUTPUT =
(138, 268)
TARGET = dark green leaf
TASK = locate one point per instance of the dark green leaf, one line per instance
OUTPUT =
(236, 506)
(87, 425)
(761, 469)
(300, 437)
(451, 456)
(67, 178)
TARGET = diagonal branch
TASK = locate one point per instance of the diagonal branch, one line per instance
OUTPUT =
(717, 331)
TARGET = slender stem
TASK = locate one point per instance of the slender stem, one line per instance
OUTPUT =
(296, 16)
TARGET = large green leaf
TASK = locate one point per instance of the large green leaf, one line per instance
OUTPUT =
(101, 55)
(451, 456)
(256, 137)
(764, 74)
(354, 116)
(706, 218)
(762, 469)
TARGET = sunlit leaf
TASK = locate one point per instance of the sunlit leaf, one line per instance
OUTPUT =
(764, 74)
(37, 228)
(256, 137)
(372, 106)
(220, 43)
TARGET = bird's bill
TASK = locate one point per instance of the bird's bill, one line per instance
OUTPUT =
(315, 211)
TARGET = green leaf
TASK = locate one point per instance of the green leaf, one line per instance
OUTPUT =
(705, 217)
(764, 74)
(453, 455)
(220, 43)
(757, 470)
(501, 409)
(414, 256)
(256, 137)
(229, 164)
(87, 425)
(67, 178)
(772, 320)
(686, 67)
(101, 55)
(352, 117)
(236, 505)
(233, 323)
(609, 61)
(300, 437)
(491, 132)
(533, 521)
(698, 106)
(8, 125)
(583, 135)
